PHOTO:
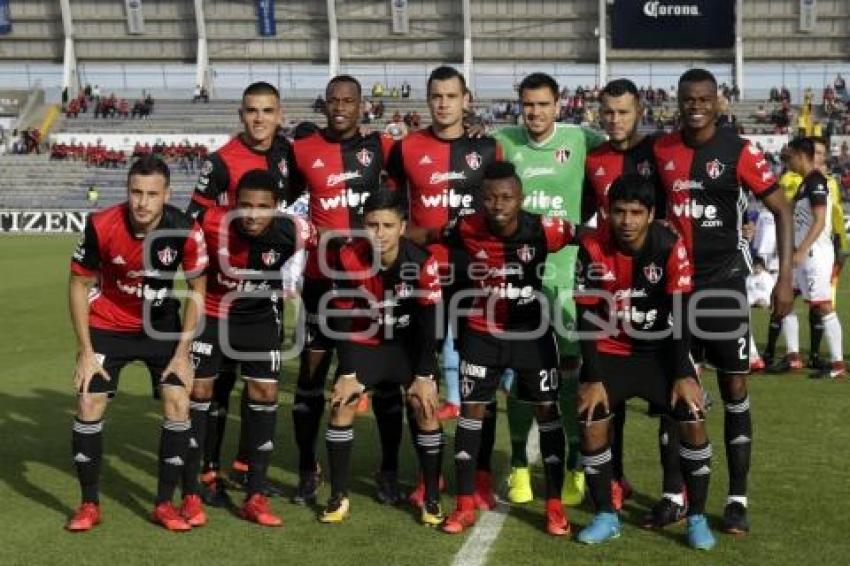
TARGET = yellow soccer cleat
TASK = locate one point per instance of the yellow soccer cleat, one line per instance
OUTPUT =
(519, 486)
(432, 514)
(337, 510)
(574, 487)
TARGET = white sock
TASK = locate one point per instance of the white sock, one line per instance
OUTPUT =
(677, 498)
(791, 332)
(742, 499)
(832, 331)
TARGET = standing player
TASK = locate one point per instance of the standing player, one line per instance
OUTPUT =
(250, 244)
(632, 278)
(339, 168)
(508, 327)
(442, 169)
(397, 284)
(122, 275)
(260, 145)
(704, 169)
(550, 161)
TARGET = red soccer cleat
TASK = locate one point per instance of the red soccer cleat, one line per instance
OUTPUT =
(239, 466)
(462, 517)
(485, 500)
(416, 498)
(209, 478)
(757, 364)
(620, 491)
(794, 361)
(448, 411)
(256, 509)
(166, 515)
(193, 510)
(556, 520)
(86, 517)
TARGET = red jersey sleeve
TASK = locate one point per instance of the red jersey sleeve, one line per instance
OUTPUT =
(430, 290)
(195, 257)
(86, 258)
(680, 270)
(754, 172)
(559, 232)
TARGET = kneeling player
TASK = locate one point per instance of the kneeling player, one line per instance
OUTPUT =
(250, 245)
(387, 343)
(506, 329)
(122, 275)
(631, 282)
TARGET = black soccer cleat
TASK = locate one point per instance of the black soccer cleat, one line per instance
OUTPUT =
(388, 491)
(214, 494)
(735, 520)
(664, 513)
(308, 487)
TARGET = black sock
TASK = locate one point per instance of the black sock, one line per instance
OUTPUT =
(197, 437)
(467, 446)
(87, 446)
(261, 422)
(242, 450)
(339, 440)
(488, 437)
(429, 446)
(774, 329)
(307, 410)
(173, 445)
(815, 331)
(738, 434)
(619, 426)
(217, 416)
(598, 473)
(696, 466)
(668, 451)
(388, 407)
(553, 451)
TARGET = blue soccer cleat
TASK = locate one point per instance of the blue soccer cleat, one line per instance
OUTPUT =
(605, 526)
(699, 535)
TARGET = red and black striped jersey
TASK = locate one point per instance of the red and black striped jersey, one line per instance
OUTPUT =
(244, 271)
(632, 293)
(126, 278)
(604, 165)
(507, 272)
(706, 201)
(399, 299)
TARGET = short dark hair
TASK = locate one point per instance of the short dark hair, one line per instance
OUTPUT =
(539, 80)
(697, 76)
(619, 87)
(384, 199)
(500, 170)
(806, 146)
(258, 180)
(819, 140)
(260, 88)
(445, 73)
(632, 188)
(344, 79)
(149, 165)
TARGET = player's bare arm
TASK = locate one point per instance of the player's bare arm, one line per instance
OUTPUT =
(78, 301)
(783, 296)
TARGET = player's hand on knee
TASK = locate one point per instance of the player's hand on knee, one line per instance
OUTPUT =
(180, 366)
(88, 366)
(347, 390)
(688, 391)
(424, 389)
(590, 396)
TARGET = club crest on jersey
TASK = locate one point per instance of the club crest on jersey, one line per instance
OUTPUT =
(653, 273)
(167, 255)
(562, 155)
(525, 253)
(270, 257)
(714, 168)
(364, 156)
(644, 169)
(473, 160)
(283, 168)
(206, 168)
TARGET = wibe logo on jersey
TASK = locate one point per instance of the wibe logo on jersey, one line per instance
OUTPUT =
(338, 178)
(447, 199)
(346, 198)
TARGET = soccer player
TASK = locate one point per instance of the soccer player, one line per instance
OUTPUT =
(260, 145)
(122, 275)
(508, 327)
(442, 168)
(251, 244)
(550, 161)
(339, 168)
(394, 285)
(814, 255)
(632, 278)
(704, 170)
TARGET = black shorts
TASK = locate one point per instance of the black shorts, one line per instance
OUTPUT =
(254, 345)
(389, 364)
(117, 349)
(484, 358)
(311, 295)
(722, 339)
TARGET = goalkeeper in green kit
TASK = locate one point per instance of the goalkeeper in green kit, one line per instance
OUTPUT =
(549, 158)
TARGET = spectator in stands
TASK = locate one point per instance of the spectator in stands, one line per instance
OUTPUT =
(201, 94)
(87, 91)
(95, 93)
(123, 108)
(92, 196)
(760, 114)
(377, 90)
(319, 104)
(405, 89)
(840, 87)
(785, 94)
(774, 94)
(394, 92)
(72, 110)
(378, 109)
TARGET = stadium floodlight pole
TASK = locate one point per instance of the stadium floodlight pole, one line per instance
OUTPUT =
(602, 34)
(739, 46)
(333, 39)
(203, 61)
(70, 78)
(467, 45)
